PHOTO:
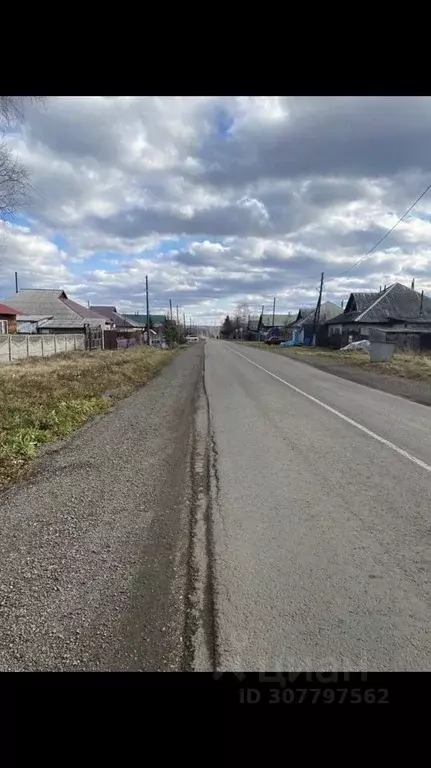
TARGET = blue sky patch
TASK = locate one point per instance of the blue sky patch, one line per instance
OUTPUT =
(223, 121)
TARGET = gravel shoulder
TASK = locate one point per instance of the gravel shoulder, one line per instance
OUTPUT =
(94, 544)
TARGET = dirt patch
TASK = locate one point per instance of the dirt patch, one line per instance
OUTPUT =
(413, 384)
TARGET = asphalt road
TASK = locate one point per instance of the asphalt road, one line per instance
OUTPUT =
(240, 511)
(320, 529)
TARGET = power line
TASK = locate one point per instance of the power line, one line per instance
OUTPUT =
(384, 236)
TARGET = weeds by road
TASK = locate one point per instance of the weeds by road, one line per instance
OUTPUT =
(42, 400)
(409, 366)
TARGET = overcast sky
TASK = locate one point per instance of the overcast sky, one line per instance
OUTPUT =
(220, 200)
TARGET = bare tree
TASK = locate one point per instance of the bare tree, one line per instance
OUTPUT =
(242, 313)
(12, 109)
(15, 182)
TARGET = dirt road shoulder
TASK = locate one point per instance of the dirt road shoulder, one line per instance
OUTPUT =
(412, 389)
(94, 544)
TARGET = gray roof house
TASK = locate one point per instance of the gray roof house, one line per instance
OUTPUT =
(303, 328)
(140, 320)
(396, 305)
(50, 311)
(115, 319)
(304, 312)
(327, 311)
(280, 321)
(398, 314)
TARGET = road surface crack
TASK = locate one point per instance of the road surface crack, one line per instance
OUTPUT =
(200, 649)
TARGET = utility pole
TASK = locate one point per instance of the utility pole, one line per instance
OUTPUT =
(178, 318)
(413, 284)
(16, 282)
(261, 323)
(317, 312)
(184, 322)
(422, 301)
(273, 313)
(148, 311)
(170, 308)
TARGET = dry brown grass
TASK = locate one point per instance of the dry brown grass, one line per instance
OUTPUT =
(42, 400)
(408, 366)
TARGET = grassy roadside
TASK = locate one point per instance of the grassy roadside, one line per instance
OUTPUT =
(408, 366)
(42, 400)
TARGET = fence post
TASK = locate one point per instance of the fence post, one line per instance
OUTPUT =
(102, 332)
(28, 347)
(74, 341)
(10, 348)
(55, 344)
(65, 342)
(41, 342)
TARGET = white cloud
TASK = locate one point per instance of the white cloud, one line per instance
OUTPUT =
(219, 199)
(33, 257)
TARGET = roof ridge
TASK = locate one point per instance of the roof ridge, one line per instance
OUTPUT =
(379, 298)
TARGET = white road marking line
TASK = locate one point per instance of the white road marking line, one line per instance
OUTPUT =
(329, 408)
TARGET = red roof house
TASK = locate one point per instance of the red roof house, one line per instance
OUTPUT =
(8, 319)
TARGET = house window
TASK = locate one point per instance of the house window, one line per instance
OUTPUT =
(3, 326)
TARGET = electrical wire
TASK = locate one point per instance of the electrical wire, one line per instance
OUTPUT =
(384, 236)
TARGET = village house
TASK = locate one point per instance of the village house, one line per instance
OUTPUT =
(8, 318)
(50, 311)
(395, 312)
(269, 325)
(114, 318)
(302, 330)
(140, 321)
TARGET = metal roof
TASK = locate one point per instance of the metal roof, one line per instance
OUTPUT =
(279, 320)
(114, 317)
(139, 320)
(327, 311)
(54, 305)
(104, 309)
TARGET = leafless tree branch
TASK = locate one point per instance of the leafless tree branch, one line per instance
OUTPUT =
(15, 180)
(12, 109)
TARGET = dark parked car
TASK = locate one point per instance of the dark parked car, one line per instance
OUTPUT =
(273, 340)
